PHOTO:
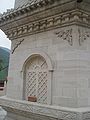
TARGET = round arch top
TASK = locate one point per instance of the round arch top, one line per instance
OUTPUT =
(42, 54)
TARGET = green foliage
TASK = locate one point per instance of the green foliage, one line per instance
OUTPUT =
(1, 64)
(4, 61)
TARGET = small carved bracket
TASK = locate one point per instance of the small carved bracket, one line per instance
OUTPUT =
(83, 35)
(65, 35)
(17, 43)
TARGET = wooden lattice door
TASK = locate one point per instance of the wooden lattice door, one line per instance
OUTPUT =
(36, 79)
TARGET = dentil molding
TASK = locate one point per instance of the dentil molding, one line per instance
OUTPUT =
(47, 24)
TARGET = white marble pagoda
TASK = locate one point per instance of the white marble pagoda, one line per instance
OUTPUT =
(49, 70)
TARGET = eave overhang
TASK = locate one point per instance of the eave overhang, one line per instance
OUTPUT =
(42, 16)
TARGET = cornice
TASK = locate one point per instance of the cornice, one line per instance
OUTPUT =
(46, 16)
(25, 9)
(10, 14)
(50, 9)
(39, 5)
(73, 17)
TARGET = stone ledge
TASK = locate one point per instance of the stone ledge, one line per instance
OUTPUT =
(62, 20)
(33, 109)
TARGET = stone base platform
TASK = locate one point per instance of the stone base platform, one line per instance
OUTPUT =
(24, 110)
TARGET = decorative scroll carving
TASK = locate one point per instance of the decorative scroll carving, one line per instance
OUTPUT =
(66, 35)
(83, 35)
(16, 45)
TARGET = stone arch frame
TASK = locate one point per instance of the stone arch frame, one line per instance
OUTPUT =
(50, 72)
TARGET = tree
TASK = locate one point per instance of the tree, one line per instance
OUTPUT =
(1, 64)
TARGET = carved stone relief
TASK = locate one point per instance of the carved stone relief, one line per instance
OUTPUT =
(46, 24)
(66, 35)
(83, 35)
(25, 107)
(16, 44)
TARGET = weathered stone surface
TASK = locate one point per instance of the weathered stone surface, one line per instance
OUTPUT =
(50, 59)
(22, 109)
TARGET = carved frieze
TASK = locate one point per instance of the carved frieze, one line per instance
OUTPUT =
(37, 109)
(66, 35)
(47, 24)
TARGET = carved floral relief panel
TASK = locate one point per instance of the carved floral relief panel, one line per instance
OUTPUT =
(67, 34)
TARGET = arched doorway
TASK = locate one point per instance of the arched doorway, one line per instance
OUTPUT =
(36, 79)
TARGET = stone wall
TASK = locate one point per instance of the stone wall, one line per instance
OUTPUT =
(70, 76)
(58, 32)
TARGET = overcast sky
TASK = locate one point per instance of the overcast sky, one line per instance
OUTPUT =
(4, 5)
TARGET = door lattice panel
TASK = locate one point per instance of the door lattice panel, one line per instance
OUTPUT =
(36, 79)
(42, 87)
(31, 84)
